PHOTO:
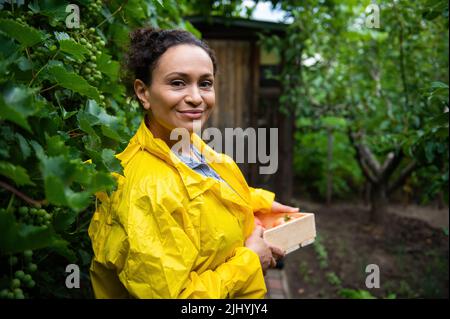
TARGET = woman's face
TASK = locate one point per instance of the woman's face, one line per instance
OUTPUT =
(182, 89)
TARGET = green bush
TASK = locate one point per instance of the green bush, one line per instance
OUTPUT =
(61, 103)
(310, 159)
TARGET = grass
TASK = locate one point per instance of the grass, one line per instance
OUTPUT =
(333, 279)
(304, 270)
(321, 252)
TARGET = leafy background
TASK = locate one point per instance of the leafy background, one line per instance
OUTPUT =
(62, 103)
(65, 111)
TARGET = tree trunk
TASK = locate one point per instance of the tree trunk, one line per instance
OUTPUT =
(284, 179)
(378, 202)
(379, 175)
(329, 164)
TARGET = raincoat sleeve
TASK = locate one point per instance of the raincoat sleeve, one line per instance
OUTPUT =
(261, 200)
(162, 255)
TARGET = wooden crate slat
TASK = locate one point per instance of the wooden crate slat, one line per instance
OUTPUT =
(294, 234)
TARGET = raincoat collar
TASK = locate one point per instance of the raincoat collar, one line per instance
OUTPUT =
(194, 183)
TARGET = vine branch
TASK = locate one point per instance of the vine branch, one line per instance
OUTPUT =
(37, 203)
(113, 14)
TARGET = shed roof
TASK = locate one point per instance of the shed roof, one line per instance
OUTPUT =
(235, 28)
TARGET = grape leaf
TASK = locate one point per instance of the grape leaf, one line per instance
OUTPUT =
(19, 237)
(106, 65)
(17, 173)
(26, 35)
(74, 49)
(16, 104)
(72, 81)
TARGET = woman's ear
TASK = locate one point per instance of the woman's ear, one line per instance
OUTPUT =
(142, 93)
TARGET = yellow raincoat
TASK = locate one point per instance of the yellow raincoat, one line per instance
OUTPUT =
(169, 232)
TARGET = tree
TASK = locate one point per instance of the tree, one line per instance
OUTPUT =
(400, 66)
(374, 78)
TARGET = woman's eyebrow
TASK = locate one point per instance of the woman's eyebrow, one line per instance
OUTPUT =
(187, 75)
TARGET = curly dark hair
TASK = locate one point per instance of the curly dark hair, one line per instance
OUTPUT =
(147, 45)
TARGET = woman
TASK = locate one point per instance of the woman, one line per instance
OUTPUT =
(178, 226)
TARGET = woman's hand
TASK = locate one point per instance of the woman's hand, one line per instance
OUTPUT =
(268, 254)
(280, 208)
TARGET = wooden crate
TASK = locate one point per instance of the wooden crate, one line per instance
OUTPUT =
(293, 234)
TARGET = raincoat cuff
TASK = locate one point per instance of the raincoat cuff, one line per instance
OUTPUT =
(262, 200)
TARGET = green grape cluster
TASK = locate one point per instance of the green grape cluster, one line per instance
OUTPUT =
(35, 216)
(40, 55)
(87, 36)
(22, 278)
(20, 20)
(94, 44)
(94, 7)
(92, 10)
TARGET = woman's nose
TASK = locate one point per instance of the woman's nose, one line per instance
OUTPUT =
(194, 96)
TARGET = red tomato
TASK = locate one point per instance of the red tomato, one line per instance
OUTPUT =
(281, 220)
(285, 219)
(272, 220)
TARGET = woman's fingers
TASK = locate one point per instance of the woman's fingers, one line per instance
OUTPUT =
(290, 209)
(277, 252)
(273, 263)
(281, 208)
(268, 253)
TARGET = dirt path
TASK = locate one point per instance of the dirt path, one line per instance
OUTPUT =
(411, 251)
(437, 218)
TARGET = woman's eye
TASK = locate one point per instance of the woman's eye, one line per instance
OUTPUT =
(206, 84)
(177, 83)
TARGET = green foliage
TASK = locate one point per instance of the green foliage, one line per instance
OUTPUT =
(429, 144)
(304, 271)
(321, 252)
(17, 103)
(389, 83)
(333, 279)
(64, 114)
(356, 294)
(16, 173)
(233, 8)
(311, 162)
(24, 34)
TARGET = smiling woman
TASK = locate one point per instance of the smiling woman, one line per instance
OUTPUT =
(175, 99)
(178, 226)
(181, 86)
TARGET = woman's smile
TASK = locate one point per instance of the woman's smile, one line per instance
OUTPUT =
(194, 114)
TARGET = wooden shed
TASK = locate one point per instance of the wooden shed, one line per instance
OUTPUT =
(245, 97)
